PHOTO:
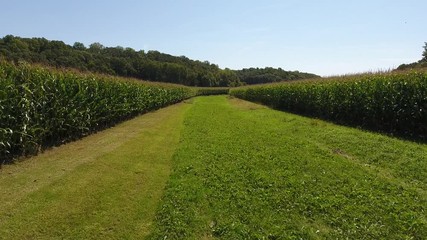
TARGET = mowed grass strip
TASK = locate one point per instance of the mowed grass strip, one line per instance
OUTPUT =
(105, 186)
(243, 171)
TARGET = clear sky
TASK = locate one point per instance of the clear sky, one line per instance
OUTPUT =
(320, 36)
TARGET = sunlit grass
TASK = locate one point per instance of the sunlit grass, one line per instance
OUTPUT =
(105, 186)
(243, 171)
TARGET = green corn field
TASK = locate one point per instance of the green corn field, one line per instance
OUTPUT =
(41, 107)
(394, 103)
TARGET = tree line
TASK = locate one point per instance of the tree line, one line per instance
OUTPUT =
(270, 75)
(420, 64)
(127, 62)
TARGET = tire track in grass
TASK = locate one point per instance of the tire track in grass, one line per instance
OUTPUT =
(105, 186)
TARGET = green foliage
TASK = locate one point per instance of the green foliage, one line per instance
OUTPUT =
(79, 46)
(270, 75)
(39, 107)
(425, 52)
(394, 103)
(126, 62)
(420, 64)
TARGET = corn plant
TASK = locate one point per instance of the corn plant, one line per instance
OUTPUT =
(393, 103)
(40, 107)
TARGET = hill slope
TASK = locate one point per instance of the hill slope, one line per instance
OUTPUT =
(127, 62)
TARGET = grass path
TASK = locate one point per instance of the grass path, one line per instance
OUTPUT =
(220, 168)
(243, 171)
(105, 186)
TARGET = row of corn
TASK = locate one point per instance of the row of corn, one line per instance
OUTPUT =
(393, 103)
(41, 107)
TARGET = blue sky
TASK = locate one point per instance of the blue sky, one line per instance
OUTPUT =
(324, 37)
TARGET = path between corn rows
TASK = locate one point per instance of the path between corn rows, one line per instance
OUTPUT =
(106, 185)
(214, 167)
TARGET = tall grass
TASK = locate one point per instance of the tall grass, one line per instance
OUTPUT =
(394, 103)
(41, 107)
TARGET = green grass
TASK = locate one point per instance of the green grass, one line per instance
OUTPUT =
(243, 171)
(219, 167)
(106, 186)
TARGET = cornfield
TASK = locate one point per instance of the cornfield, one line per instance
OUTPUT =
(41, 107)
(393, 103)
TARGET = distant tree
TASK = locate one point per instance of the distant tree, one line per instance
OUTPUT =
(151, 65)
(8, 39)
(425, 52)
(419, 64)
(96, 47)
(228, 78)
(79, 46)
(269, 75)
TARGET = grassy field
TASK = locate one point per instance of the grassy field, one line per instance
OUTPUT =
(219, 167)
(105, 186)
(243, 171)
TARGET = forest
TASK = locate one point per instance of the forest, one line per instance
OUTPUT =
(146, 65)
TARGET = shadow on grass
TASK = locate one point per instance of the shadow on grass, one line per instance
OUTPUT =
(390, 132)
